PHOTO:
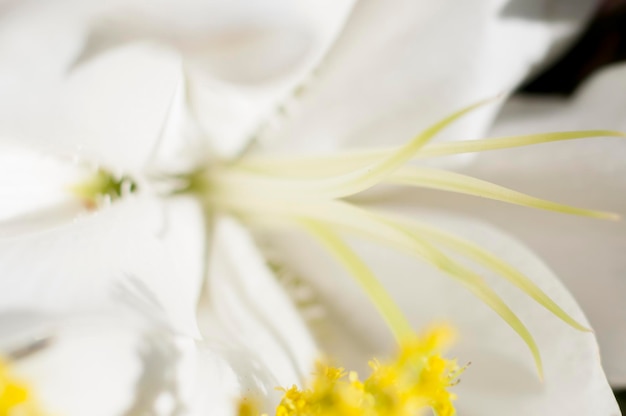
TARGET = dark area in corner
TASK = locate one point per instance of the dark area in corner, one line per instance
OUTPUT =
(621, 399)
(603, 43)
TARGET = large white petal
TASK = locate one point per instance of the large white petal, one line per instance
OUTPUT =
(586, 254)
(116, 364)
(502, 378)
(401, 65)
(109, 112)
(252, 308)
(243, 58)
(149, 246)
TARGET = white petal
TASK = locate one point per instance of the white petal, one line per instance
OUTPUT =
(30, 182)
(401, 65)
(253, 309)
(586, 254)
(146, 245)
(243, 58)
(283, 49)
(502, 378)
(109, 112)
(118, 365)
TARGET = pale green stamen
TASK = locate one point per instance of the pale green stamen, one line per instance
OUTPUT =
(313, 166)
(492, 262)
(456, 182)
(364, 276)
(264, 191)
(347, 184)
(383, 230)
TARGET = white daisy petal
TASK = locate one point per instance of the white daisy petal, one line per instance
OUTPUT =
(502, 378)
(155, 247)
(401, 64)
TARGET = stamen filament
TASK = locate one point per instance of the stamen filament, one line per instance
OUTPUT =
(312, 166)
(349, 183)
(388, 309)
(456, 182)
(381, 229)
(492, 262)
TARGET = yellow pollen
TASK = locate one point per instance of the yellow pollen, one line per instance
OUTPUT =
(15, 396)
(416, 380)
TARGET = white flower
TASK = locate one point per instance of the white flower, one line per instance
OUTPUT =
(158, 244)
(385, 107)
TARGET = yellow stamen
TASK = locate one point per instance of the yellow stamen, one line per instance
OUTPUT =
(15, 396)
(416, 380)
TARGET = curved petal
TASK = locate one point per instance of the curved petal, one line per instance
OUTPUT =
(243, 58)
(284, 53)
(502, 378)
(117, 364)
(400, 65)
(251, 307)
(586, 254)
(142, 244)
(30, 183)
(109, 112)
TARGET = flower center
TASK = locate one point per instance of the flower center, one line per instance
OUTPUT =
(102, 187)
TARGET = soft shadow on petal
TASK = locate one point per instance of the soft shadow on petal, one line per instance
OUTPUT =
(123, 364)
(240, 90)
(399, 65)
(235, 41)
(109, 112)
(248, 305)
(502, 378)
(243, 59)
(140, 243)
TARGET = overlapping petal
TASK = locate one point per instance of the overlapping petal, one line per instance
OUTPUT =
(243, 60)
(401, 64)
(110, 363)
(151, 245)
(249, 305)
(502, 378)
(585, 254)
(109, 113)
